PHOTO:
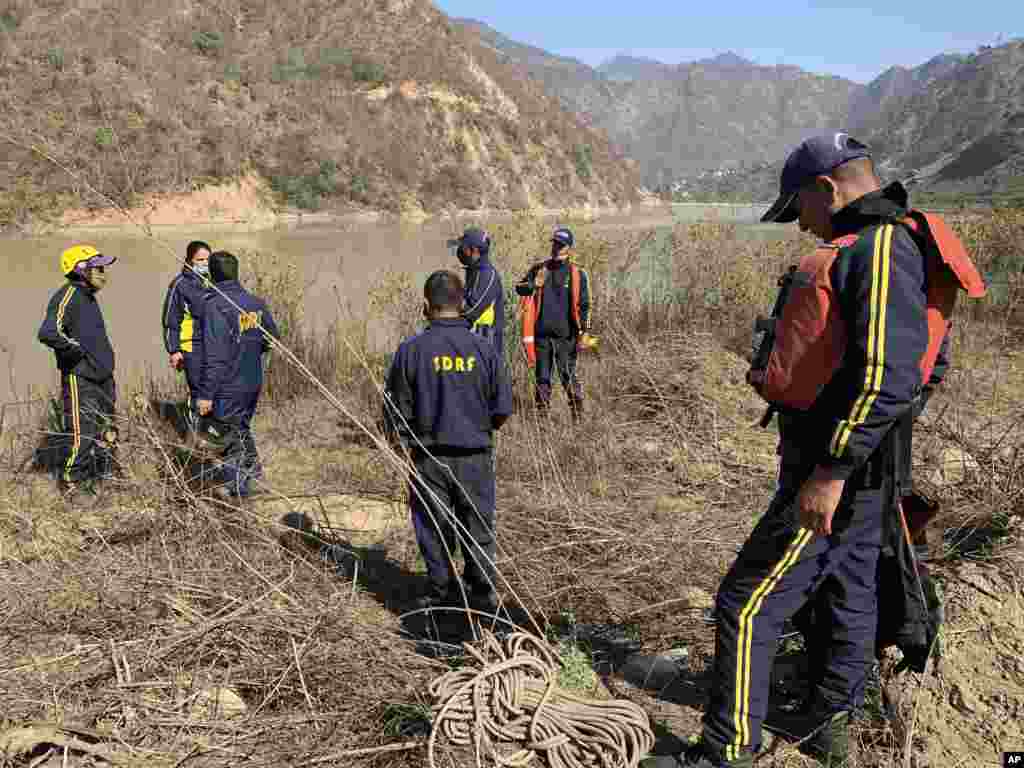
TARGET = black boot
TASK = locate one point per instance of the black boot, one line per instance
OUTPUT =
(436, 598)
(698, 755)
(830, 742)
(485, 601)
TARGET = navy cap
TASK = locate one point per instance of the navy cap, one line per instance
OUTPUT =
(100, 260)
(563, 236)
(474, 237)
(816, 156)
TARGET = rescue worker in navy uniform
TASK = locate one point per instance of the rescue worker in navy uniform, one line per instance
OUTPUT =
(823, 532)
(814, 620)
(555, 312)
(485, 295)
(231, 374)
(76, 332)
(182, 322)
(446, 394)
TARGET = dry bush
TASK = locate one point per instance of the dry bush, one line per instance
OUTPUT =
(628, 519)
(632, 518)
(993, 241)
(180, 629)
(141, 97)
(674, 310)
(279, 283)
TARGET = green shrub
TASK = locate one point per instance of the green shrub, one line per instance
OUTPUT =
(104, 137)
(207, 43)
(326, 181)
(329, 61)
(359, 187)
(336, 57)
(8, 22)
(582, 156)
(297, 192)
(292, 68)
(307, 192)
(365, 71)
(232, 72)
(55, 56)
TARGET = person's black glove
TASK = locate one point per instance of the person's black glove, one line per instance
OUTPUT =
(74, 356)
(526, 286)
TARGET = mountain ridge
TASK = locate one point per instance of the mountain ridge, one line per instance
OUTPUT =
(685, 119)
(728, 116)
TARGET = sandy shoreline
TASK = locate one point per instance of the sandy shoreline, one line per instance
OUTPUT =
(270, 220)
(247, 205)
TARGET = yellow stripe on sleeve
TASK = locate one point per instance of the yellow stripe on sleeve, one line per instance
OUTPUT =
(876, 342)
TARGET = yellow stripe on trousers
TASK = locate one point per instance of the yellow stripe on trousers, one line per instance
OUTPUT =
(76, 427)
(876, 342)
(741, 711)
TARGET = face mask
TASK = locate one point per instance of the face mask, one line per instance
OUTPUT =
(96, 277)
(464, 258)
(201, 269)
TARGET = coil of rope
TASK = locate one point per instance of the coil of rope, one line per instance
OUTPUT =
(508, 707)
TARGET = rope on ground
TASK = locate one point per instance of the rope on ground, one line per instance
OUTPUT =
(505, 703)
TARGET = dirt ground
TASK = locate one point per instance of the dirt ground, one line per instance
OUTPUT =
(161, 630)
(245, 201)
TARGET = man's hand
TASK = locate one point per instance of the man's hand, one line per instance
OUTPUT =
(205, 407)
(177, 361)
(818, 500)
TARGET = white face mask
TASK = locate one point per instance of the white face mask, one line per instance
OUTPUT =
(201, 269)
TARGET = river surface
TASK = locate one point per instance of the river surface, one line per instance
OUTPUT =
(338, 263)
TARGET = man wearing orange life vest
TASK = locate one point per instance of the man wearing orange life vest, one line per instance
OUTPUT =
(855, 342)
(555, 309)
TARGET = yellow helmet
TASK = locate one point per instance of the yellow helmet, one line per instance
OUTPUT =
(74, 256)
(78, 254)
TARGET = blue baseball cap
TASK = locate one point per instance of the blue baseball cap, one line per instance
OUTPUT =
(563, 236)
(474, 237)
(816, 156)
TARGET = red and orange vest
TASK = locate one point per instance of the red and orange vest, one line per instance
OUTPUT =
(529, 307)
(810, 337)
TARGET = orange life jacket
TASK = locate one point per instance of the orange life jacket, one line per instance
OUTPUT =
(810, 338)
(529, 307)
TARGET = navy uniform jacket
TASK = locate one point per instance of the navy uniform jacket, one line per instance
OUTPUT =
(485, 303)
(554, 316)
(183, 306)
(879, 283)
(74, 329)
(233, 347)
(447, 389)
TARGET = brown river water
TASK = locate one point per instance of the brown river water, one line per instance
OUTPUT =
(336, 262)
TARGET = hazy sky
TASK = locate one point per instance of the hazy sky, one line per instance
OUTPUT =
(858, 41)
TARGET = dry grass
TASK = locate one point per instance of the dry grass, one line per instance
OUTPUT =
(131, 620)
(146, 97)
